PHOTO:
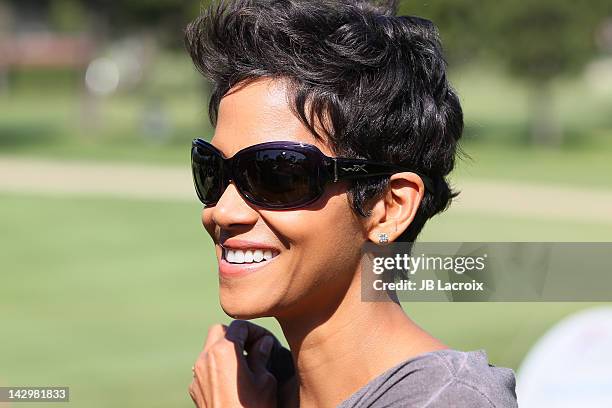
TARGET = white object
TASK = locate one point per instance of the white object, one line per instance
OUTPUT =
(102, 76)
(571, 365)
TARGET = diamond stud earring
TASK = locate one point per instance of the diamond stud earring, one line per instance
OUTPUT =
(383, 238)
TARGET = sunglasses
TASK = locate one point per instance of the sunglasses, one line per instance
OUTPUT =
(278, 175)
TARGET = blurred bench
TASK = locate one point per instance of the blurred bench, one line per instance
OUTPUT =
(45, 51)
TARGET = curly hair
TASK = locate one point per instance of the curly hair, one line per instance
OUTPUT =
(375, 81)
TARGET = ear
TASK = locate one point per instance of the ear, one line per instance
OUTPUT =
(395, 210)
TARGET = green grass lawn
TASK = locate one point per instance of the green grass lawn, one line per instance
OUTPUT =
(589, 168)
(113, 297)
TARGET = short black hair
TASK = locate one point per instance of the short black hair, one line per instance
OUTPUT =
(375, 81)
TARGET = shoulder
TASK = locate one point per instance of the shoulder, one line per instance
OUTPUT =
(444, 378)
(472, 381)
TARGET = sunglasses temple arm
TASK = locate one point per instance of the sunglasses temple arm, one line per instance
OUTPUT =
(352, 169)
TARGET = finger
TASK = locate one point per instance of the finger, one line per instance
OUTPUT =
(259, 354)
(215, 333)
(196, 389)
(218, 360)
(195, 392)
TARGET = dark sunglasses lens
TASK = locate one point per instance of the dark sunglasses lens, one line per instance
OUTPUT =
(207, 175)
(277, 178)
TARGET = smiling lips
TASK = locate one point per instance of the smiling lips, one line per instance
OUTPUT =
(244, 256)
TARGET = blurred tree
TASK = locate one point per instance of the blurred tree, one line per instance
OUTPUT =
(540, 40)
(536, 40)
(165, 18)
(67, 15)
(462, 24)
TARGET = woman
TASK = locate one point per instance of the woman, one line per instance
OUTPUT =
(341, 127)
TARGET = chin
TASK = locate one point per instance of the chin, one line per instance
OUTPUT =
(245, 306)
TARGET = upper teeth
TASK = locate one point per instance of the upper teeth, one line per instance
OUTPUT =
(247, 256)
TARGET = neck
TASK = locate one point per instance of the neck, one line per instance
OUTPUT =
(341, 345)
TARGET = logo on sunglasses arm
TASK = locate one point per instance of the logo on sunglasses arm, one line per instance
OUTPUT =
(355, 168)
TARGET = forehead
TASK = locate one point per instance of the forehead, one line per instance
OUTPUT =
(256, 113)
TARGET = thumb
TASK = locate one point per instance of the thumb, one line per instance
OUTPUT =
(259, 354)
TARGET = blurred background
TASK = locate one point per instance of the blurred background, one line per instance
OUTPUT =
(108, 279)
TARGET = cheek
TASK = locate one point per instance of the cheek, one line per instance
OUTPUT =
(333, 228)
(325, 248)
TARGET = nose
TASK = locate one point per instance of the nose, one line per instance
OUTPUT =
(232, 210)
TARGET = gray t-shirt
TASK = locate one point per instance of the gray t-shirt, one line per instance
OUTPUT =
(443, 378)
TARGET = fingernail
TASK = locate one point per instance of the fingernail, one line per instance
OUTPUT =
(266, 345)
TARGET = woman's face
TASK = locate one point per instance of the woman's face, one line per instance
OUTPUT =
(315, 249)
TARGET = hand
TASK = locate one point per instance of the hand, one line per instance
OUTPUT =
(225, 377)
